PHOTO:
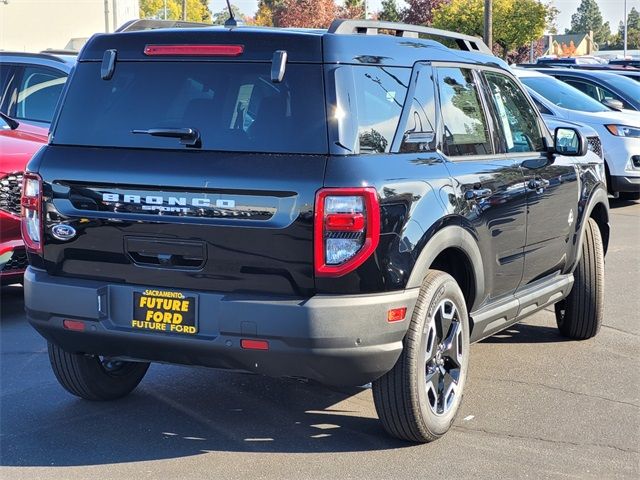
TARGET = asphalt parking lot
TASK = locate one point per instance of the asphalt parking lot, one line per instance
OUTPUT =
(536, 405)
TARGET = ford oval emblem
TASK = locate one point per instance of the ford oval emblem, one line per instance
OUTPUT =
(63, 232)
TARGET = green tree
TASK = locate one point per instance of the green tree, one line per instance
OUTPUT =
(264, 15)
(589, 18)
(197, 10)
(633, 32)
(515, 22)
(223, 15)
(352, 9)
(389, 12)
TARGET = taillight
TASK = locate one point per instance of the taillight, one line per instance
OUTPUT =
(346, 229)
(31, 221)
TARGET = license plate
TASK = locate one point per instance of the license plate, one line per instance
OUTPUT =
(164, 311)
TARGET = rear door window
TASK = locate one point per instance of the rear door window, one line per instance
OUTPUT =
(234, 106)
(465, 125)
(38, 93)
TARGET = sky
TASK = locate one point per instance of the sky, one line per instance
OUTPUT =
(611, 9)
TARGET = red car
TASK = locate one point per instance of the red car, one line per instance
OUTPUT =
(18, 143)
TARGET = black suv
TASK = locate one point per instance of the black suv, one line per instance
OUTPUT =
(349, 205)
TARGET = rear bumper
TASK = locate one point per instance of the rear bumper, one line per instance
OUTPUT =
(625, 184)
(338, 340)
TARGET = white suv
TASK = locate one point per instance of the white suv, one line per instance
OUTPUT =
(618, 131)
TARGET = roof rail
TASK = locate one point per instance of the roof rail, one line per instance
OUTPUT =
(151, 24)
(43, 55)
(373, 27)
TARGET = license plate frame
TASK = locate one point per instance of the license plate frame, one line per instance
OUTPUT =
(165, 311)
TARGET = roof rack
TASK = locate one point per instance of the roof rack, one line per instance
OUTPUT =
(373, 27)
(150, 24)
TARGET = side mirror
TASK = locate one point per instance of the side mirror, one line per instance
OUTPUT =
(569, 142)
(613, 104)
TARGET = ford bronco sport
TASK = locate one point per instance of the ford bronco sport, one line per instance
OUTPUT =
(349, 205)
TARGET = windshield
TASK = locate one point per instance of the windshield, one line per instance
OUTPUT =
(563, 95)
(233, 106)
(624, 84)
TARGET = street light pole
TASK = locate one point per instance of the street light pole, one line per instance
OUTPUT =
(488, 23)
(184, 9)
(625, 28)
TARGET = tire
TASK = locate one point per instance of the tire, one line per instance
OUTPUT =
(629, 195)
(93, 378)
(579, 316)
(409, 404)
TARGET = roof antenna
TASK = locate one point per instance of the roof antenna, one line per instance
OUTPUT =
(231, 21)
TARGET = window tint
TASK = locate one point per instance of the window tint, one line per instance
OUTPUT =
(465, 125)
(516, 118)
(38, 94)
(234, 106)
(544, 110)
(419, 126)
(7, 87)
(584, 87)
(563, 95)
(380, 94)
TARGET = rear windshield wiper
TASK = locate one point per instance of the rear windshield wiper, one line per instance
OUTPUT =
(188, 136)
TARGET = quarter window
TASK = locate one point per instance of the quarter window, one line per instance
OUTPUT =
(464, 122)
(516, 117)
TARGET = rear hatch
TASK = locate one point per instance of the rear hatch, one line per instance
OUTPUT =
(189, 170)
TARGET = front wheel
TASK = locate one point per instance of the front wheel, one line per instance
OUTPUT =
(418, 399)
(94, 377)
(579, 316)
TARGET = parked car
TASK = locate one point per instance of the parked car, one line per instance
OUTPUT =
(345, 205)
(18, 143)
(31, 84)
(619, 132)
(615, 91)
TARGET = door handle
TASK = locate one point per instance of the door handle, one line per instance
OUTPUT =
(477, 194)
(537, 184)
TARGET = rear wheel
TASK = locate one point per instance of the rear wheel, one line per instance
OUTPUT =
(579, 316)
(419, 398)
(94, 377)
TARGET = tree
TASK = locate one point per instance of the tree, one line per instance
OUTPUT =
(420, 12)
(633, 31)
(223, 15)
(264, 15)
(197, 10)
(390, 12)
(516, 23)
(352, 9)
(589, 18)
(306, 13)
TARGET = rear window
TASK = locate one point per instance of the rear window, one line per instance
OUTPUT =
(234, 106)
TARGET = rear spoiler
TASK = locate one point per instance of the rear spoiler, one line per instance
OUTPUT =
(147, 24)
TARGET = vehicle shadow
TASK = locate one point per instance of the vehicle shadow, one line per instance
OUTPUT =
(619, 203)
(525, 333)
(175, 412)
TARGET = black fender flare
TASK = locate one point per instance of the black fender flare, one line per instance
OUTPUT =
(451, 236)
(599, 196)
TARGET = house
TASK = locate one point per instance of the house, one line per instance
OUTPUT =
(570, 45)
